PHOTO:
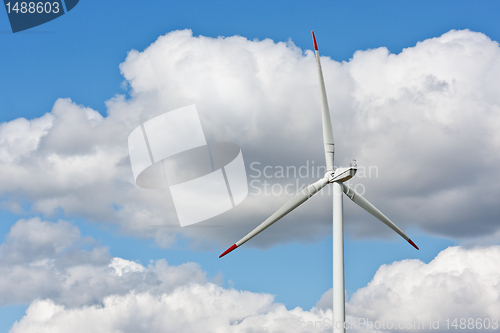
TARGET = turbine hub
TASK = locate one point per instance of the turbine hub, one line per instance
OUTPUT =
(329, 175)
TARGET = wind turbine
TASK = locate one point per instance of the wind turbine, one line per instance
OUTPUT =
(336, 177)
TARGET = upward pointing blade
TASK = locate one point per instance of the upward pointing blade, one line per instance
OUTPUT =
(363, 203)
(325, 115)
(295, 202)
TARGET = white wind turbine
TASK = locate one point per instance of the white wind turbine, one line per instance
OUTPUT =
(337, 177)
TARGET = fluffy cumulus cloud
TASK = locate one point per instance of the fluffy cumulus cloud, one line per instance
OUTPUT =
(428, 117)
(200, 308)
(52, 260)
(74, 285)
(424, 120)
(458, 283)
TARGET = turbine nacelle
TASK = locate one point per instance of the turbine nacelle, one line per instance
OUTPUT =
(341, 174)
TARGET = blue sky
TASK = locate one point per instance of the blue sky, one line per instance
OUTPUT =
(77, 56)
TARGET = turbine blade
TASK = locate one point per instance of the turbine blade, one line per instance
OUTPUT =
(325, 115)
(366, 205)
(295, 202)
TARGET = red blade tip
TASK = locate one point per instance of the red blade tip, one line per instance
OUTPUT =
(228, 250)
(413, 244)
(314, 39)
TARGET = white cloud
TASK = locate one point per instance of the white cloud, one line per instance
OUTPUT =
(74, 285)
(197, 308)
(326, 300)
(41, 259)
(427, 118)
(76, 290)
(29, 240)
(458, 283)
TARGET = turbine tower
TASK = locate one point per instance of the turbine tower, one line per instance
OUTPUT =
(336, 177)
